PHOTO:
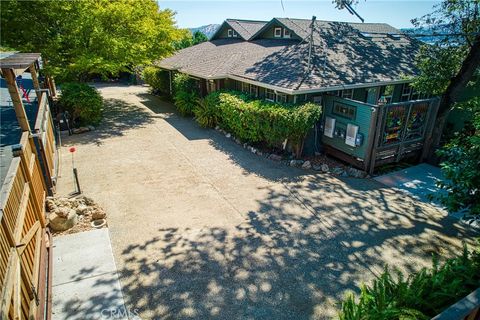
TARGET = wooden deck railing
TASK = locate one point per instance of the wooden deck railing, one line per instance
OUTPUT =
(22, 234)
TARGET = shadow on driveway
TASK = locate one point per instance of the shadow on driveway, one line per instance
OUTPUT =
(282, 264)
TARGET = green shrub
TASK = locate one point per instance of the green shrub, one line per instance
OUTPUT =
(421, 295)
(185, 94)
(460, 165)
(158, 79)
(83, 102)
(258, 120)
(206, 111)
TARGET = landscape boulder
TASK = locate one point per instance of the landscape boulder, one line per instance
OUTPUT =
(306, 165)
(62, 219)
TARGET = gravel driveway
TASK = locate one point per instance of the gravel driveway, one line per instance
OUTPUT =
(201, 228)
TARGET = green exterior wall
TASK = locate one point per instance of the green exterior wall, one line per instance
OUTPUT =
(362, 119)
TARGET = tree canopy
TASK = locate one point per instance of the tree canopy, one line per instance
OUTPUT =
(87, 38)
(188, 39)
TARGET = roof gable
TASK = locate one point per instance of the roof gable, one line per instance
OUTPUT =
(268, 30)
(245, 29)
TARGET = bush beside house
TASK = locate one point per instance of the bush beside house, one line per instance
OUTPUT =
(185, 94)
(421, 295)
(158, 80)
(84, 103)
(249, 120)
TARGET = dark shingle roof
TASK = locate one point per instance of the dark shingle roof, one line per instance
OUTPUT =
(341, 56)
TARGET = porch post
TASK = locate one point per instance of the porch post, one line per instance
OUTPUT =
(376, 140)
(16, 97)
(36, 84)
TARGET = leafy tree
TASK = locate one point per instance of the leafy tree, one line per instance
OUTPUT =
(188, 40)
(83, 38)
(449, 65)
(460, 165)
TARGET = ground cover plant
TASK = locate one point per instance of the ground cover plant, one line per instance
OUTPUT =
(420, 295)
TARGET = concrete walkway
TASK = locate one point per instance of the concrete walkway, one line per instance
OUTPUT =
(202, 228)
(418, 181)
(85, 280)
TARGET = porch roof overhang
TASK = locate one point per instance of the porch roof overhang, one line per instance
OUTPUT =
(292, 91)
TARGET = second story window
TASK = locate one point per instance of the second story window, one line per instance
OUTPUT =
(277, 32)
(286, 33)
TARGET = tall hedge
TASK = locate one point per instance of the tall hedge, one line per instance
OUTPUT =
(158, 79)
(262, 121)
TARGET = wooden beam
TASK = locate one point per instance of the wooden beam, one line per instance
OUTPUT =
(16, 97)
(36, 83)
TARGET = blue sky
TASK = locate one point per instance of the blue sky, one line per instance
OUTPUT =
(195, 13)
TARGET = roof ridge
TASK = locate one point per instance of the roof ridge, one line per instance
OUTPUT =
(348, 22)
(246, 20)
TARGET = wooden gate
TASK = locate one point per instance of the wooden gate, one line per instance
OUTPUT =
(401, 130)
(22, 236)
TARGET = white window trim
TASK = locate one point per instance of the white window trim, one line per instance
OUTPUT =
(234, 33)
(230, 33)
(266, 95)
(281, 95)
(275, 32)
(285, 35)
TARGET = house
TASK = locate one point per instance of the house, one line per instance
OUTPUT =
(358, 72)
(28, 160)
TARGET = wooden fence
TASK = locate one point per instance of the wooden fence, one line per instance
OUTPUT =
(44, 139)
(23, 253)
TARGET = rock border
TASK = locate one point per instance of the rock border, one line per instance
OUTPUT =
(298, 163)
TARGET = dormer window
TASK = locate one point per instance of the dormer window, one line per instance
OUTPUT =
(277, 32)
(286, 33)
(231, 33)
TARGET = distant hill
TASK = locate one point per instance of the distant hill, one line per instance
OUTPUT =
(208, 30)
